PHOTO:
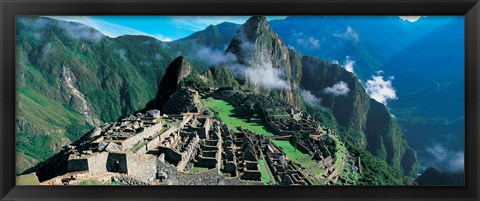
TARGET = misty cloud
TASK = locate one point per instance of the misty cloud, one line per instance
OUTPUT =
(338, 89)
(310, 99)
(162, 37)
(122, 53)
(147, 42)
(380, 89)
(350, 34)
(81, 32)
(311, 42)
(314, 42)
(46, 49)
(448, 160)
(348, 64)
(36, 23)
(158, 57)
(266, 76)
(214, 57)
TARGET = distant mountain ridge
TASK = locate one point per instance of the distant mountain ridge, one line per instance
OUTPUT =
(113, 66)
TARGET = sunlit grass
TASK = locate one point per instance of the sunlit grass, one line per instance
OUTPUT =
(226, 113)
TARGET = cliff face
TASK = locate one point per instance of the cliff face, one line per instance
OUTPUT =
(266, 59)
(364, 122)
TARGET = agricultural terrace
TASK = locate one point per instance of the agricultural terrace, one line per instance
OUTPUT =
(227, 114)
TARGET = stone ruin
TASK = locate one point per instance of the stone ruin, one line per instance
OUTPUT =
(241, 151)
(285, 172)
(182, 101)
(179, 148)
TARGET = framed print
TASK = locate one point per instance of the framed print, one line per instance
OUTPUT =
(159, 100)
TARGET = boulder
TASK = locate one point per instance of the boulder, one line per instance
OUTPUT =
(102, 146)
(113, 147)
(153, 113)
(96, 132)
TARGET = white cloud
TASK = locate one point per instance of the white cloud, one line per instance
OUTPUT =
(380, 89)
(37, 23)
(162, 37)
(260, 72)
(348, 64)
(349, 33)
(410, 18)
(338, 89)
(213, 57)
(448, 160)
(80, 31)
(314, 42)
(310, 99)
(266, 76)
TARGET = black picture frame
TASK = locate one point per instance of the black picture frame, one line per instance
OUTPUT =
(10, 8)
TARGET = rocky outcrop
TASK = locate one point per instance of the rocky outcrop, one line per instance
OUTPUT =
(266, 61)
(179, 69)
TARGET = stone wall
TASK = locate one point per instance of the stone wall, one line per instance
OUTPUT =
(143, 167)
(188, 153)
(170, 155)
(147, 133)
(98, 163)
(303, 149)
(206, 162)
(209, 177)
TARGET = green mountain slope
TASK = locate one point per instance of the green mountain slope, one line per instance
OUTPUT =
(72, 78)
(362, 121)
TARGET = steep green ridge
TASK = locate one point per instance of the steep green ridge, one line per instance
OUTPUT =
(108, 78)
(220, 77)
(71, 77)
(215, 36)
(362, 121)
(123, 74)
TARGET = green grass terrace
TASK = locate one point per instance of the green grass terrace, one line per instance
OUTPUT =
(227, 114)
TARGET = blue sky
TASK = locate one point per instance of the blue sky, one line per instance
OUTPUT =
(165, 28)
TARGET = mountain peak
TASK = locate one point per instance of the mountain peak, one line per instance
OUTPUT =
(262, 52)
(256, 41)
(257, 20)
(178, 69)
(256, 26)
